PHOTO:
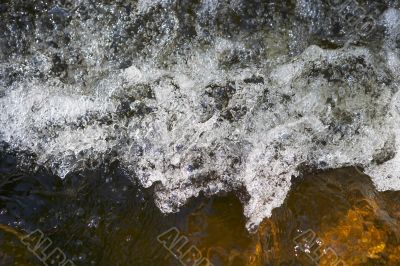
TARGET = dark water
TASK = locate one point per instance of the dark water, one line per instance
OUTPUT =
(103, 218)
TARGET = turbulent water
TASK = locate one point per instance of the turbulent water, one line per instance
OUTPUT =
(203, 96)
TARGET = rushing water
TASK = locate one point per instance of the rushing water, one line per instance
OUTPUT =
(102, 218)
(142, 106)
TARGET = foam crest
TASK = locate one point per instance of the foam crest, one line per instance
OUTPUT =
(187, 131)
(191, 104)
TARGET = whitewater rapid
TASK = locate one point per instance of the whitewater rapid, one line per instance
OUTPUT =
(197, 125)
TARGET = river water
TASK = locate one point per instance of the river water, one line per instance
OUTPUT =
(225, 119)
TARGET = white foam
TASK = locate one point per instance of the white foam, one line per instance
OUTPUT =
(275, 136)
(198, 126)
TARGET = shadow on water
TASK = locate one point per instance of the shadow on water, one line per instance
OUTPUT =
(102, 217)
